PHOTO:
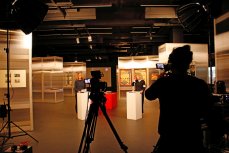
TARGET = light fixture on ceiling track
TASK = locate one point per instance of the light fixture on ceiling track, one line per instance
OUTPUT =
(89, 38)
(77, 40)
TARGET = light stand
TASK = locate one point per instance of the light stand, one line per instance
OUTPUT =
(192, 16)
(25, 15)
(9, 122)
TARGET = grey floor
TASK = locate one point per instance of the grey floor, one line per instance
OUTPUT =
(58, 130)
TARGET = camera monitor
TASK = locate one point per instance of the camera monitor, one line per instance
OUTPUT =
(160, 66)
(87, 80)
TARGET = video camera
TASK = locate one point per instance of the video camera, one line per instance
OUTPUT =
(96, 84)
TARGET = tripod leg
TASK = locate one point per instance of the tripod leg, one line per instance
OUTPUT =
(89, 129)
(4, 126)
(155, 149)
(90, 135)
(103, 108)
(23, 131)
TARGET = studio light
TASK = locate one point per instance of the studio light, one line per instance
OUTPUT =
(25, 15)
(192, 15)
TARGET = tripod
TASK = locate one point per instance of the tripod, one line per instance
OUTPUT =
(98, 100)
(155, 149)
(9, 122)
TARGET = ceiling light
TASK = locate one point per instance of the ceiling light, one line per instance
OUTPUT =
(77, 40)
(137, 32)
(143, 5)
(89, 38)
(150, 37)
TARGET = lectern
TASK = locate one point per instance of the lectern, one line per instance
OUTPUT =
(82, 104)
(134, 105)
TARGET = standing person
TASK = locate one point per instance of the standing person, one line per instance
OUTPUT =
(78, 86)
(140, 86)
(184, 100)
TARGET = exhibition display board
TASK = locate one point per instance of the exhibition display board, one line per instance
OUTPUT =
(20, 77)
(82, 105)
(134, 105)
(129, 67)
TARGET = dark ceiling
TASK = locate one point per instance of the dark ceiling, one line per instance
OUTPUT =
(117, 28)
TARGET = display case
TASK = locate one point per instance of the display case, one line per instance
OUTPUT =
(48, 82)
(48, 86)
(50, 63)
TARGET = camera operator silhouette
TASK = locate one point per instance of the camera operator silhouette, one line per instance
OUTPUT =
(184, 100)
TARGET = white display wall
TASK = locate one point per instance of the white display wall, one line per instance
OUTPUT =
(200, 57)
(222, 49)
(20, 54)
(128, 66)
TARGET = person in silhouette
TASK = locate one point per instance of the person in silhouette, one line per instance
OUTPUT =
(79, 85)
(184, 101)
(139, 85)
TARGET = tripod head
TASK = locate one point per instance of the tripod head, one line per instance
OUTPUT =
(96, 84)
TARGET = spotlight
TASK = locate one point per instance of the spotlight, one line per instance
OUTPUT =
(192, 15)
(77, 40)
(89, 38)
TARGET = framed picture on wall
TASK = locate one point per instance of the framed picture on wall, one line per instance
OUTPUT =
(141, 73)
(125, 77)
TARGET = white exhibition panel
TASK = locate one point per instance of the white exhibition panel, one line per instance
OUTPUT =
(137, 62)
(200, 56)
(82, 105)
(17, 78)
(134, 105)
(222, 50)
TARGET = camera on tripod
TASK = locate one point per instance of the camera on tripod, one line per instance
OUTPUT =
(96, 84)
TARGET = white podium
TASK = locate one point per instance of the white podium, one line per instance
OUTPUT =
(134, 105)
(82, 104)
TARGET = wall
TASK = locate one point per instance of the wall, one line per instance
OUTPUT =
(200, 57)
(20, 53)
(129, 66)
(222, 48)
